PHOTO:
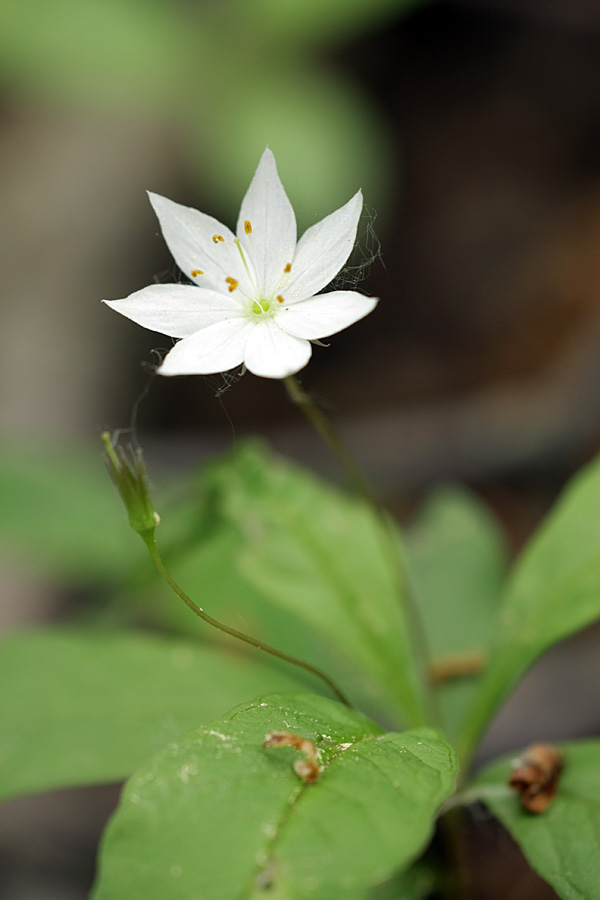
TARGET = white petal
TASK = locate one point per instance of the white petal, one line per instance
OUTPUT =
(272, 353)
(175, 309)
(266, 210)
(322, 251)
(325, 314)
(214, 349)
(193, 239)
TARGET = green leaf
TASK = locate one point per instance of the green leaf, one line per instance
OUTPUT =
(207, 565)
(416, 883)
(323, 558)
(60, 514)
(216, 815)
(554, 591)
(561, 843)
(79, 708)
(457, 559)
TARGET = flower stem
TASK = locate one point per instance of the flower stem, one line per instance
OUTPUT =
(332, 438)
(150, 543)
(357, 480)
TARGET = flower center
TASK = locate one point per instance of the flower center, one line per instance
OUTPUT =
(260, 306)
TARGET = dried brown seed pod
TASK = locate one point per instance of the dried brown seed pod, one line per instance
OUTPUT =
(535, 776)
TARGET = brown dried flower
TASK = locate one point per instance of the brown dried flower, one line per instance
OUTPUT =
(535, 776)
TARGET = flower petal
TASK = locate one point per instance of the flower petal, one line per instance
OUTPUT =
(202, 247)
(322, 251)
(175, 309)
(325, 314)
(272, 353)
(266, 225)
(214, 349)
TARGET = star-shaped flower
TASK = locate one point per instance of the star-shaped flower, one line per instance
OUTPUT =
(254, 298)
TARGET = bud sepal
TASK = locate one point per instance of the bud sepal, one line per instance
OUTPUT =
(128, 471)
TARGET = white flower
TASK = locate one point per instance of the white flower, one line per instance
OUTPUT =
(254, 297)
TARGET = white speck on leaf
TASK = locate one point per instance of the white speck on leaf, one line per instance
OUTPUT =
(269, 829)
(187, 771)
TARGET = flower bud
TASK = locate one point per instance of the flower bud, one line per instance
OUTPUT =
(128, 471)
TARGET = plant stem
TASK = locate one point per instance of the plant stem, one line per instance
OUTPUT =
(457, 884)
(356, 478)
(338, 446)
(150, 541)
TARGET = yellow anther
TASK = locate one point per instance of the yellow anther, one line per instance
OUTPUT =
(280, 298)
(197, 272)
(217, 238)
(232, 282)
(287, 268)
(247, 227)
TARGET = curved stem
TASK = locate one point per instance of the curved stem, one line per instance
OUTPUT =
(150, 542)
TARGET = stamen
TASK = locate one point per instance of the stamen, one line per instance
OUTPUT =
(280, 298)
(197, 272)
(217, 238)
(247, 227)
(232, 282)
(287, 268)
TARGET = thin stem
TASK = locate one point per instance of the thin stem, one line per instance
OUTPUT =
(326, 430)
(150, 542)
(356, 478)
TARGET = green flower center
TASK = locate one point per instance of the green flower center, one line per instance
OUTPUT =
(260, 306)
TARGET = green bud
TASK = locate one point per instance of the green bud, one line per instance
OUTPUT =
(128, 471)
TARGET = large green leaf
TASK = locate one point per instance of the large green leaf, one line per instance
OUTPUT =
(561, 843)
(325, 559)
(217, 816)
(457, 559)
(79, 708)
(208, 568)
(553, 591)
(416, 883)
